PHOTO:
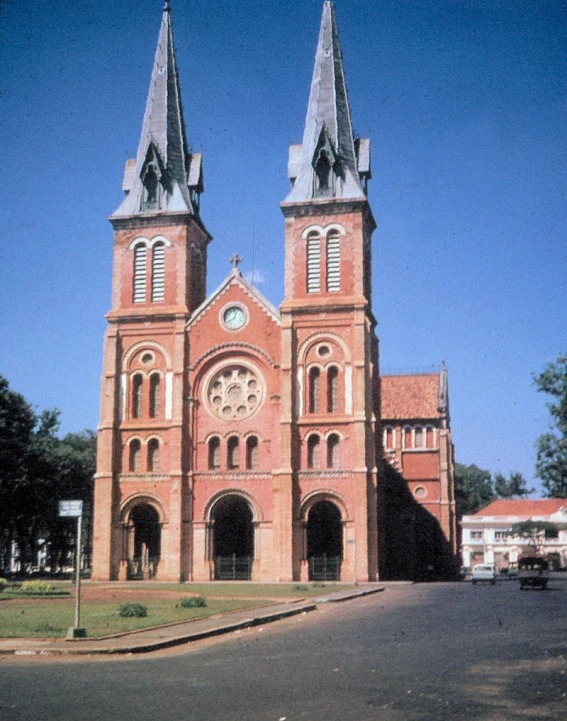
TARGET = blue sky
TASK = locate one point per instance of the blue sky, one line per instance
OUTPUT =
(464, 101)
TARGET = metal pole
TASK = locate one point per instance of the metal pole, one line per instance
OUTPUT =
(78, 574)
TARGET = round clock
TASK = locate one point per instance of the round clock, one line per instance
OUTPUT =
(234, 317)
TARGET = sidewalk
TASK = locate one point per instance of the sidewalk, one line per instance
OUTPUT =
(153, 639)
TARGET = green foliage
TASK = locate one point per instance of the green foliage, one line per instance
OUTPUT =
(511, 487)
(132, 610)
(534, 532)
(473, 489)
(39, 588)
(193, 602)
(551, 463)
(3, 584)
(300, 587)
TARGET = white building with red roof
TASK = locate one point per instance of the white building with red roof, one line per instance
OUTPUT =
(486, 536)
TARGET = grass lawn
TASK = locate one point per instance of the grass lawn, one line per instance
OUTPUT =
(244, 589)
(50, 618)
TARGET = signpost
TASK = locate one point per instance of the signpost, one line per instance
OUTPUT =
(74, 509)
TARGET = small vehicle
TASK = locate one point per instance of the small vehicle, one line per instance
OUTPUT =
(483, 572)
(533, 571)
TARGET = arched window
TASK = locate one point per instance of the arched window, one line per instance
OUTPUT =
(140, 262)
(419, 437)
(333, 389)
(323, 171)
(137, 395)
(333, 262)
(389, 438)
(314, 390)
(153, 455)
(252, 453)
(408, 440)
(429, 437)
(155, 395)
(158, 272)
(313, 452)
(135, 456)
(333, 460)
(233, 453)
(214, 453)
(313, 263)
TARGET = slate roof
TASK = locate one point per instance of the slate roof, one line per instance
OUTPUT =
(527, 507)
(410, 396)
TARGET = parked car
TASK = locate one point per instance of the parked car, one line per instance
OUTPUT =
(533, 571)
(483, 572)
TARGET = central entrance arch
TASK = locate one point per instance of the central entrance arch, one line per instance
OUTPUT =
(324, 542)
(233, 538)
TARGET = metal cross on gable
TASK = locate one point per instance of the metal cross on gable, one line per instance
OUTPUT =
(235, 260)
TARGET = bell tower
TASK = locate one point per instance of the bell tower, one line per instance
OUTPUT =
(330, 406)
(159, 279)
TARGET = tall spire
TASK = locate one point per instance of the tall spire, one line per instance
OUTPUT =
(164, 176)
(329, 163)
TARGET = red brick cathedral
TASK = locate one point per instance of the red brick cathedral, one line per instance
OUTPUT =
(242, 441)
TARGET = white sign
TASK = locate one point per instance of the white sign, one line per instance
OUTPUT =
(70, 509)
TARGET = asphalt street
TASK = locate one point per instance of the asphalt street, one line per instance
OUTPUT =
(426, 651)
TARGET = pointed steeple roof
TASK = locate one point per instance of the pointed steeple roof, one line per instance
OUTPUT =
(164, 176)
(329, 163)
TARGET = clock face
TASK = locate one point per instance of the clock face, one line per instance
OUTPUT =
(234, 318)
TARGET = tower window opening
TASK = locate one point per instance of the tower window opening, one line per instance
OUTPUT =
(155, 395)
(233, 453)
(323, 172)
(389, 438)
(140, 270)
(137, 395)
(158, 272)
(314, 390)
(408, 438)
(134, 456)
(419, 437)
(429, 437)
(153, 455)
(333, 451)
(214, 453)
(313, 263)
(333, 389)
(252, 453)
(150, 182)
(333, 262)
(313, 452)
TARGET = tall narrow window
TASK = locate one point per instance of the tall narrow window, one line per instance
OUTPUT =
(333, 389)
(408, 439)
(135, 455)
(214, 453)
(252, 453)
(419, 438)
(333, 262)
(333, 451)
(137, 394)
(313, 452)
(314, 390)
(233, 451)
(389, 438)
(429, 437)
(155, 395)
(158, 272)
(140, 262)
(153, 455)
(313, 263)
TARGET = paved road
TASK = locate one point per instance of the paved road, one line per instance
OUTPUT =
(431, 651)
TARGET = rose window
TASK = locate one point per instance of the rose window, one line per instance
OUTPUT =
(234, 392)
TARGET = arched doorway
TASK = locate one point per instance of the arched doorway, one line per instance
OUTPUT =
(324, 542)
(233, 539)
(144, 547)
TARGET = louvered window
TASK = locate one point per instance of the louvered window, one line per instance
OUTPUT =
(314, 390)
(333, 262)
(313, 264)
(135, 454)
(158, 272)
(332, 390)
(140, 263)
(153, 455)
(333, 451)
(313, 452)
(137, 395)
(155, 395)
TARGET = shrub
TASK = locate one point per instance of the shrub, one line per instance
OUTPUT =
(133, 610)
(193, 602)
(3, 584)
(299, 587)
(38, 587)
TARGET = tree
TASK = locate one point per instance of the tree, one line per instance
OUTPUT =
(515, 485)
(551, 463)
(473, 489)
(534, 532)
